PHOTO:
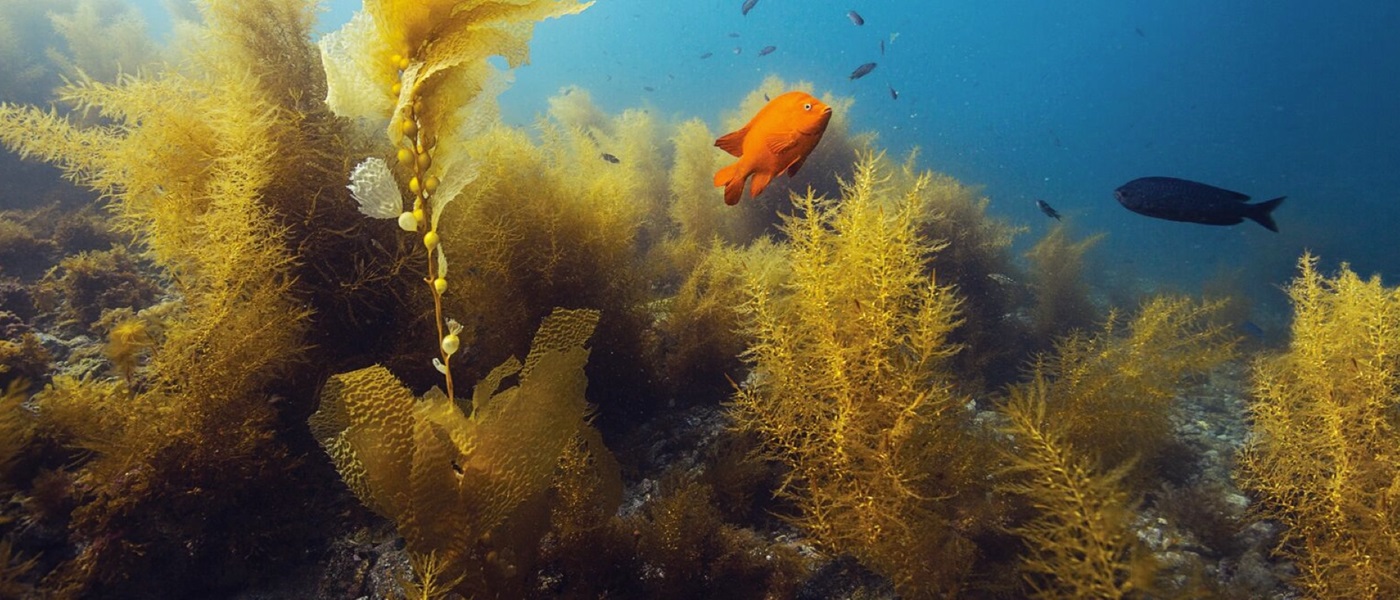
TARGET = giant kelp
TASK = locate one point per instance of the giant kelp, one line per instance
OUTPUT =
(1322, 455)
(422, 67)
(850, 389)
(553, 224)
(458, 480)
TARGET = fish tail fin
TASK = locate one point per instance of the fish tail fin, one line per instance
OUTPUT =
(733, 183)
(1259, 213)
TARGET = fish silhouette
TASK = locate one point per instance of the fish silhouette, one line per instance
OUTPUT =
(1192, 202)
(1047, 209)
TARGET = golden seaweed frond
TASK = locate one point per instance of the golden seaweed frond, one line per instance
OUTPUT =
(13, 570)
(1112, 391)
(848, 338)
(1325, 429)
(1056, 277)
(450, 478)
(16, 427)
(1081, 543)
(423, 68)
(430, 583)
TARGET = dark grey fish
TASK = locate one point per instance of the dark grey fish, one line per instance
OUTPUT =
(648, 88)
(882, 47)
(1191, 202)
(855, 17)
(1047, 209)
(610, 158)
(1138, 30)
(706, 55)
(748, 6)
(862, 70)
(733, 34)
(766, 98)
(767, 50)
(894, 95)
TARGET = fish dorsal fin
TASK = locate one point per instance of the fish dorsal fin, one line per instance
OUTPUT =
(781, 142)
(733, 143)
(1237, 197)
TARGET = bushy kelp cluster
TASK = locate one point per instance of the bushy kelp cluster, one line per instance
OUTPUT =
(1113, 390)
(192, 165)
(851, 390)
(1322, 457)
(43, 42)
(854, 363)
(1080, 542)
(1055, 266)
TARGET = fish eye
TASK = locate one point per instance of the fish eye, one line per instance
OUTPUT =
(807, 106)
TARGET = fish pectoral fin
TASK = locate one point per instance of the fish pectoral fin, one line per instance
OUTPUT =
(733, 143)
(781, 143)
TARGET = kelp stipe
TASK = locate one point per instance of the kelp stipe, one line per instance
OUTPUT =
(422, 67)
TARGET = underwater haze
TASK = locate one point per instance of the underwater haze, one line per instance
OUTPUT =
(1053, 101)
(1062, 102)
(730, 299)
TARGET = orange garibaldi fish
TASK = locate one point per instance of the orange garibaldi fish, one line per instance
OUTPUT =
(777, 140)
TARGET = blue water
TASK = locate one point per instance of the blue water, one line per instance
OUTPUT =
(1059, 101)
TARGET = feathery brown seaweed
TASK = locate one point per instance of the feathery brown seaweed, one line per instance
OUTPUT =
(1322, 457)
(850, 389)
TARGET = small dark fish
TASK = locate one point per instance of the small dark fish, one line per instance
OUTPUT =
(610, 158)
(862, 70)
(882, 47)
(1252, 330)
(648, 88)
(894, 95)
(767, 50)
(733, 34)
(855, 17)
(706, 55)
(1191, 202)
(1047, 209)
(748, 6)
(1138, 30)
(766, 98)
